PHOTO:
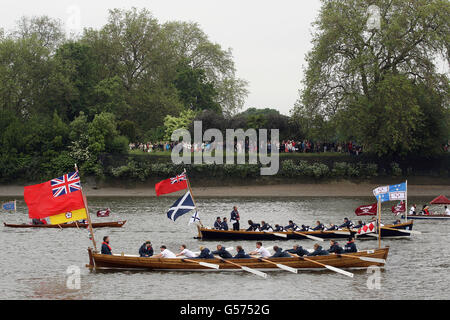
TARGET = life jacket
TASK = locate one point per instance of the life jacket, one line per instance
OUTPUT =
(426, 212)
(107, 244)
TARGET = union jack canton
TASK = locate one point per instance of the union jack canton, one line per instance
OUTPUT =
(179, 178)
(66, 184)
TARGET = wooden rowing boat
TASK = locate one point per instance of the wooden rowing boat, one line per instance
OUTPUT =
(124, 262)
(213, 234)
(427, 217)
(112, 224)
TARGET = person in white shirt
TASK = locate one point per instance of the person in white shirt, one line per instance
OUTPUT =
(261, 250)
(412, 211)
(165, 253)
(447, 211)
(186, 252)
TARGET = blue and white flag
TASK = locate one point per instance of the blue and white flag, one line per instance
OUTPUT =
(181, 206)
(9, 206)
(195, 218)
(391, 193)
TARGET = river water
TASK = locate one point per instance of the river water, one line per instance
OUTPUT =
(34, 262)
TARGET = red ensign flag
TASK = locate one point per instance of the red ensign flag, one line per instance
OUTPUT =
(171, 185)
(53, 197)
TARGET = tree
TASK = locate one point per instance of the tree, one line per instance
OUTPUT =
(369, 78)
(190, 43)
(194, 90)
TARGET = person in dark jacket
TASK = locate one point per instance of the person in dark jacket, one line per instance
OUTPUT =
(298, 250)
(318, 227)
(347, 224)
(265, 226)
(204, 254)
(292, 226)
(304, 228)
(332, 227)
(224, 225)
(318, 251)
(106, 248)
(222, 252)
(146, 249)
(350, 246)
(217, 224)
(278, 228)
(335, 247)
(235, 218)
(279, 253)
(359, 225)
(241, 253)
(253, 226)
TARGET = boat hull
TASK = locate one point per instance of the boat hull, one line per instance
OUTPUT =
(430, 217)
(211, 234)
(102, 261)
(113, 224)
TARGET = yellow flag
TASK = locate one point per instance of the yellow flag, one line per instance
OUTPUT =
(74, 215)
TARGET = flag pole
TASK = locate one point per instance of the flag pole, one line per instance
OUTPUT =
(91, 231)
(192, 195)
(379, 222)
(406, 202)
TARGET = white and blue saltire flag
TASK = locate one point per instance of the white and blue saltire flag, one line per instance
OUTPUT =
(391, 193)
(9, 206)
(195, 217)
(181, 206)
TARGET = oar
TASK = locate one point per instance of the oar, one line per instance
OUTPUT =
(205, 264)
(365, 258)
(340, 232)
(402, 230)
(281, 235)
(281, 266)
(345, 273)
(256, 272)
(308, 236)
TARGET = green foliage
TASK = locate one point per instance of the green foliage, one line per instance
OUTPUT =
(181, 122)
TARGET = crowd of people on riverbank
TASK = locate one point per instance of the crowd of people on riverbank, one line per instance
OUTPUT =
(147, 251)
(286, 146)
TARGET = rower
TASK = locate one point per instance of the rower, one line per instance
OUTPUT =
(412, 211)
(350, 246)
(335, 247)
(235, 218)
(318, 251)
(241, 253)
(304, 228)
(265, 226)
(279, 253)
(204, 253)
(298, 250)
(222, 252)
(278, 228)
(318, 227)
(397, 222)
(217, 224)
(146, 249)
(347, 224)
(332, 227)
(359, 225)
(260, 250)
(165, 253)
(185, 252)
(447, 211)
(253, 226)
(106, 248)
(224, 225)
(291, 226)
